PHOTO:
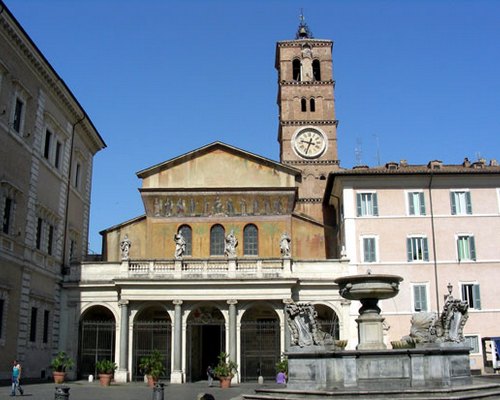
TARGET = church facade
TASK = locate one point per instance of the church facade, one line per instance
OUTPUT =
(228, 238)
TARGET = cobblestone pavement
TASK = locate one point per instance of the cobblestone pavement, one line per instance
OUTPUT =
(83, 390)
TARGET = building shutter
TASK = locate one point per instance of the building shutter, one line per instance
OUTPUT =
(358, 204)
(375, 204)
(410, 203)
(468, 202)
(425, 249)
(472, 247)
(453, 204)
(422, 203)
(409, 253)
(459, 249)
(477, 297)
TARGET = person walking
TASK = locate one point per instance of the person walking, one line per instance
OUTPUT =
(210, 375)
(16, 378)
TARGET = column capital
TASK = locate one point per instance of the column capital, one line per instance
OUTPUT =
(177, 302)
(232, 302)
(123, 303)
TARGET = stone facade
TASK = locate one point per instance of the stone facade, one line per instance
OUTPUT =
(47, 143)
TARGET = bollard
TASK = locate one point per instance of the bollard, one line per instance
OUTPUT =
(158, 391)
(62, 393)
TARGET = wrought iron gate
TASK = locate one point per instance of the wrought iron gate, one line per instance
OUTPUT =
(149, 336)
(260, 349)
(97, 342)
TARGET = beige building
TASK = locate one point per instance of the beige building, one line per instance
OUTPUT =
(47, 143)
(434, 225)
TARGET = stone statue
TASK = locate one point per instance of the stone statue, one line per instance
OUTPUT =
(125, 247)
(427, 327)
(230, 245)
(157, 207)
(168, 208)
(243, 207)
(180, 245)
(285, 245)
(304, 327)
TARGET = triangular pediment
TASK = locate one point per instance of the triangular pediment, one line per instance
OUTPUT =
(218, 165)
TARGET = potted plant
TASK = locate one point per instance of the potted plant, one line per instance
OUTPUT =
(106, 369)
(153, 367)
(59, 364)
(225, 370)
(282, 370)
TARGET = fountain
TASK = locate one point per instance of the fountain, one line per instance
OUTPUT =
(432, 362)
(369, 289)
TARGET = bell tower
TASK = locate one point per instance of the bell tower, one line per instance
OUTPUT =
(307, 126)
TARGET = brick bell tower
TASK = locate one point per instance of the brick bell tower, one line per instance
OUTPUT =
(307, 126)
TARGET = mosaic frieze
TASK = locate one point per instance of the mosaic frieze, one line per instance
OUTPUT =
(217, 205)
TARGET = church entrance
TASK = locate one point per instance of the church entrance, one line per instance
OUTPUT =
(205, 340)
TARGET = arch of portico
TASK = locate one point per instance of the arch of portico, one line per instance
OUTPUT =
(96, 337)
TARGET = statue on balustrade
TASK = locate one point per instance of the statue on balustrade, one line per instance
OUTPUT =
(180, 245)
(125, 247)
(230, 245)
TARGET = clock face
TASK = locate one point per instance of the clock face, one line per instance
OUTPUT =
(309, 143)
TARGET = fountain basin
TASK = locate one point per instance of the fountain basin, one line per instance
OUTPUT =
(369, 286)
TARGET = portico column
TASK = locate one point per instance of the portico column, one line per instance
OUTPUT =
(176, 375)
(232, 329)
(121, 374)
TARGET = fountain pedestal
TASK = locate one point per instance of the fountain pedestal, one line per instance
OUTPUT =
(369, 289)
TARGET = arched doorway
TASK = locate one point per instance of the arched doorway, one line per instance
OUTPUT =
(152, 331)
(96, 338)
(328, 320)
(206, 335)
(260, 343)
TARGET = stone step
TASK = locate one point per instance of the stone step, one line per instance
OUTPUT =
(478, 391)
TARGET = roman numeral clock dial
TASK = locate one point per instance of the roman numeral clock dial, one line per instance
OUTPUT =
(309, 143)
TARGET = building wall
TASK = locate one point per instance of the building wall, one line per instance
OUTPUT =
(393, 225)
(34, 179)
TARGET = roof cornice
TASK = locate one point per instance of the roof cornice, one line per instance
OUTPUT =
(19, 39)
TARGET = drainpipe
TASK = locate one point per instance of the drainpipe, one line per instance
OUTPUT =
(64, 268)
(436, 278)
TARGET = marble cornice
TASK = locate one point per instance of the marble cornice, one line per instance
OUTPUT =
(307, 83)
(310, 122)
(312, 162)
(299, 43)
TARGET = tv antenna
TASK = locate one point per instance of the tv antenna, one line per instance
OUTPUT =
(358, 151)
(377, 154)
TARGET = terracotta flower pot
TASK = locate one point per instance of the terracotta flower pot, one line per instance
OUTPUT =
(225, 382)
(58, 376)
(105, 379)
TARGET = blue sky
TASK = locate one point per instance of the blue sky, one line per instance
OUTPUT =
(415, 80)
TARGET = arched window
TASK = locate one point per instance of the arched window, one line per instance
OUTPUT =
(296, 70)
(250, 240)
(303, 105)
(316, 70)
(187, 234)
(217, 235)
(312, 105)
